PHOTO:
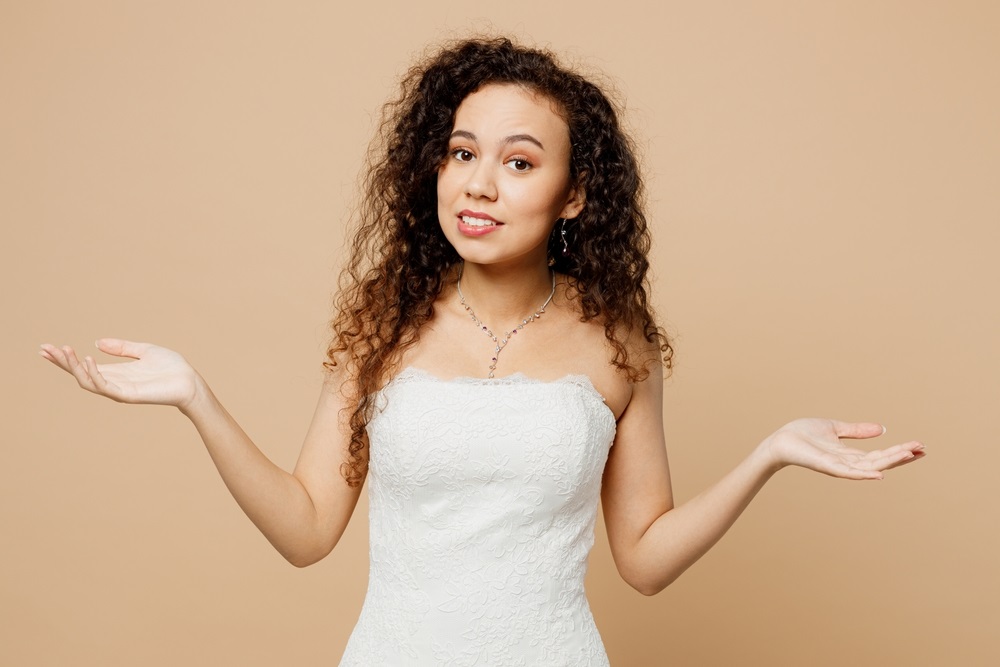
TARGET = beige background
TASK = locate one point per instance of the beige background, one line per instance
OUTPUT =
(823, 182)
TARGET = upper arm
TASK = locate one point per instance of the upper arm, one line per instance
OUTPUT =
(636, 486)
(323, 453)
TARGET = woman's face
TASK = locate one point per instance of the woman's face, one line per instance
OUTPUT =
(505, 180)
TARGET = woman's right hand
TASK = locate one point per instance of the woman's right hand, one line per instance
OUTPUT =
(157, 375)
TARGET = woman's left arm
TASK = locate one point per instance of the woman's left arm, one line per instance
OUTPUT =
(653, 542)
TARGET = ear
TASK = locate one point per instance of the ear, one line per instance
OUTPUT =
(574, 204)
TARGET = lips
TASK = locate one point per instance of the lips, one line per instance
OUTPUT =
(478, 222)
(477, 219)
(474, 223)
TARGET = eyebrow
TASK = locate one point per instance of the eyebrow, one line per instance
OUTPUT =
(506, 140)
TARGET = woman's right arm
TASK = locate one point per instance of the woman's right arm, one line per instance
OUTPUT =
(304, 513)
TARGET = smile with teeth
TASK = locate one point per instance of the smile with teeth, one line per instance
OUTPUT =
(478, 222)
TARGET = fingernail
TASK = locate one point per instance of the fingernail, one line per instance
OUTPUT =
(883, 429)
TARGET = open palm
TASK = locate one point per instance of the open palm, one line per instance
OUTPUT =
(817, 444)
(156, 374)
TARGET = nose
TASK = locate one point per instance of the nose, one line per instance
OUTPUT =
(481, 183)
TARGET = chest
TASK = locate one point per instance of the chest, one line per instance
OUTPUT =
(438, 437)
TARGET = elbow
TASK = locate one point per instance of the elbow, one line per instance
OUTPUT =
(648, 588)
(645, 582)
(306, 556)
(301, 561)
(308, 547)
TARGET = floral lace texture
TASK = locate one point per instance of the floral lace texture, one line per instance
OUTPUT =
(483, 496)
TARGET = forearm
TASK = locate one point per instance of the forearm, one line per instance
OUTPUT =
(682, 535)
(274, 499)
(302, 515)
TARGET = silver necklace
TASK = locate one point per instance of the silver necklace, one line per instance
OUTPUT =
(501, 343)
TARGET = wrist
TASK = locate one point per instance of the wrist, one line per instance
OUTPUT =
(766, 458)
(199, 398)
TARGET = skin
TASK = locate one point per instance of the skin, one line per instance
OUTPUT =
(508, 158)
(524, 183)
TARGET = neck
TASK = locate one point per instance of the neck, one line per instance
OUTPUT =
(502, 300)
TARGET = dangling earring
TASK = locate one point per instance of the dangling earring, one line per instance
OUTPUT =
(562, 235)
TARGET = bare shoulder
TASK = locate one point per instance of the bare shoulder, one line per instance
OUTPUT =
(585, 345)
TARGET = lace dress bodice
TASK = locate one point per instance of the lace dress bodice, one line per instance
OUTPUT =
(483, 496)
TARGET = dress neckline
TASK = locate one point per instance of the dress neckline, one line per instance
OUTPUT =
(578, 380)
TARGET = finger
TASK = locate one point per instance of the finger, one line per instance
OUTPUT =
(78, 370)
(70, 355)
(916, 457)
(100, 382)
(894, 450)
(857, 429)
(61, 356)
(888, 451)
(45, 353)
(122, 348)
(55, 355)
(896, 456)
(847, 471)
(890, 460)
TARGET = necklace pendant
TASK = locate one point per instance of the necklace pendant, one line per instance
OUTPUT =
(501, 344)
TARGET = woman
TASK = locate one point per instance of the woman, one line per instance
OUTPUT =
(495, 367)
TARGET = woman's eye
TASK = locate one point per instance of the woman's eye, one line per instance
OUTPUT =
(519, 164)
(462, 155)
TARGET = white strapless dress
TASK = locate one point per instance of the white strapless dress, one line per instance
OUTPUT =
(483, 496)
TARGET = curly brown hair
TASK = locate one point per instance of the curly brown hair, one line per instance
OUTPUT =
(400, 259)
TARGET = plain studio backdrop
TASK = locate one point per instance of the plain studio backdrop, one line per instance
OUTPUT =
(823, 191)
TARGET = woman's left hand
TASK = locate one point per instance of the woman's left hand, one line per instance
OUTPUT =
(816, 444)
